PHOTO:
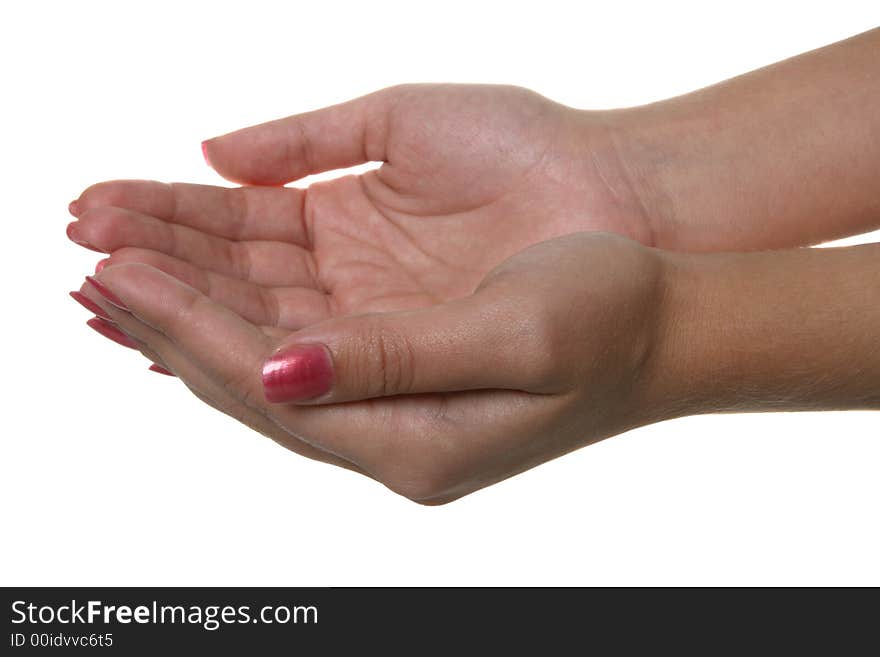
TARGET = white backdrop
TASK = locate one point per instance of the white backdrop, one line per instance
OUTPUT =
(113, 475)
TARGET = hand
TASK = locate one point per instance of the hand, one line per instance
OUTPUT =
(546, 355)
(471, 175)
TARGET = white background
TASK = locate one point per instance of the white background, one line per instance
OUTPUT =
(113, 475)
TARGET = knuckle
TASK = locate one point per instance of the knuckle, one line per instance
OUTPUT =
(304, 152)
(387, 362)
(181, 310)
(239, 258)
(242, 387)
(520, 92)
(237, 201)
(426, 483)
(428, 469)
(401, 89)
(251, 396)
(269, 305)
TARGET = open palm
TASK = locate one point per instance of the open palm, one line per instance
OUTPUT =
(470, 175)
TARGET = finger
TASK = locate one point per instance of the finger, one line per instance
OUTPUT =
(229, 351)
(480, 341)
(218, 399)
(286, 307)
(392, 439)
(266, 427)
(284, 150)
(239, 213)
(264, 263)
(204, 344)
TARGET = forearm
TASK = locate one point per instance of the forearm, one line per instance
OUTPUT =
(784, 156)
(786, 330)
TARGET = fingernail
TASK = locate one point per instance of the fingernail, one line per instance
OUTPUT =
(73, 235)
(160, 370)
(90, 305)
(73, 208)
(296, 373)
(108, 330)
(107, 294)
(205, 153)
(100, 265)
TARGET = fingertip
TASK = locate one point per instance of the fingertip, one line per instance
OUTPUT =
(107, 293)
(74, 236)
(147, 290)
(112, 332)
(73, 208)
(101, 264)
(89, 305)
(205, 154)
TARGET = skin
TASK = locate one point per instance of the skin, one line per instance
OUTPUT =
(512, 283)
(425, 227)
(783, 156)
(791, 330)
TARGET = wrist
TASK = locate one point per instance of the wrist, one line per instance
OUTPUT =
(785, 330)
(636, 155)
(740, 165)
(674, 374)
(659, 388)
(728, 337)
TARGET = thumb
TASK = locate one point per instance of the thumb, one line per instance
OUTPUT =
(470, 343)
(284, 150)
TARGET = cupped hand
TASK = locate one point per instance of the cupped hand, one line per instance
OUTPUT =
(470, 175)
(549, 352)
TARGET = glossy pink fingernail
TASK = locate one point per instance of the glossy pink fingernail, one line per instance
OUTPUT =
(90, 305)
(205, 153)
(108, 330)
(73, 208)
(297, 372)
(107, 294)
(160, 370)
(101, 264)
(73, 236)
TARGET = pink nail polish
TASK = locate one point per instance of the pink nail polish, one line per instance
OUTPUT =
(108, 330)
(101, 264)
(90, 305)
(205, 153)
(160, 370)
(107, 294)
(73, 208)
(73, 236)
(296, 373)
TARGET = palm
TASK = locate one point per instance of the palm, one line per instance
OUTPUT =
(471, 175)
(369, 256)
